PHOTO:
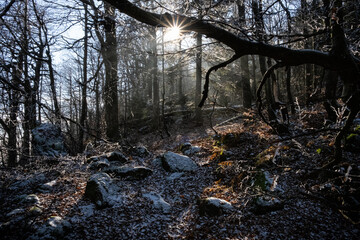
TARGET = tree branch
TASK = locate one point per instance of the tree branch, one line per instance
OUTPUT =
(7, 8)
(262, 83)
(241, 46)
(207, 77)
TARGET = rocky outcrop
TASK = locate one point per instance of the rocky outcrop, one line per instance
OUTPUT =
(48, 140)
(214, 206)
(98, 189)
(174, 162)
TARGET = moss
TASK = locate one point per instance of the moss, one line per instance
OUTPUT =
(260, 181)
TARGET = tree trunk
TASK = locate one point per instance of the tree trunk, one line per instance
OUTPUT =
(308, 69)
(244, 61)
(155, 80)
(290, 99)
(97, 106)
(198, 113)
(53, 87)
(14, 109)
(84, 85)
(111, 78)
(28, 91)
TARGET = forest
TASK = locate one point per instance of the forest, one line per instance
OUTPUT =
(194, 119)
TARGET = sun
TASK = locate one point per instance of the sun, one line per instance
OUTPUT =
(172, 33)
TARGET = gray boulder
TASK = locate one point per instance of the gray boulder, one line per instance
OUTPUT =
(158, 202)
(98, 189)
(174, 162)
(138, 172)
(214, 206)
(48, 140)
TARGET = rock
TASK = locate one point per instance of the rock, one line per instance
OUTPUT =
(54, 228)
(29, 199)
(100, 164)
(48, 140)
(24, 183)
(140, 151)
(185, 146)
(352, 143)
(158, 202)
(47, 187)
(16, 212)
(214, 206)
(95, 158)
(98, 189)
(175, 176)
(178, 163)
(15, 222)
(87, 210)
(117, 156)
(157, 162)
(267, 182)
(267, 204)
(192, 150)
(188, 149)
(35, 211)
(129, 172)
(356, 121)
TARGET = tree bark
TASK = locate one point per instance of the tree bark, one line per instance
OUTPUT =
(308, 69)
(28, 91)
(14, 98)
(84, 85)
(53, 87)
(244, 61)
(111, 78)
(155, 79)
(198, 114)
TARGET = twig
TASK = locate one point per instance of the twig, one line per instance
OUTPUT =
(306, 134)
(229, 120)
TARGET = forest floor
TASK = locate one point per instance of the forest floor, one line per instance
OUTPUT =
(244, 162)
